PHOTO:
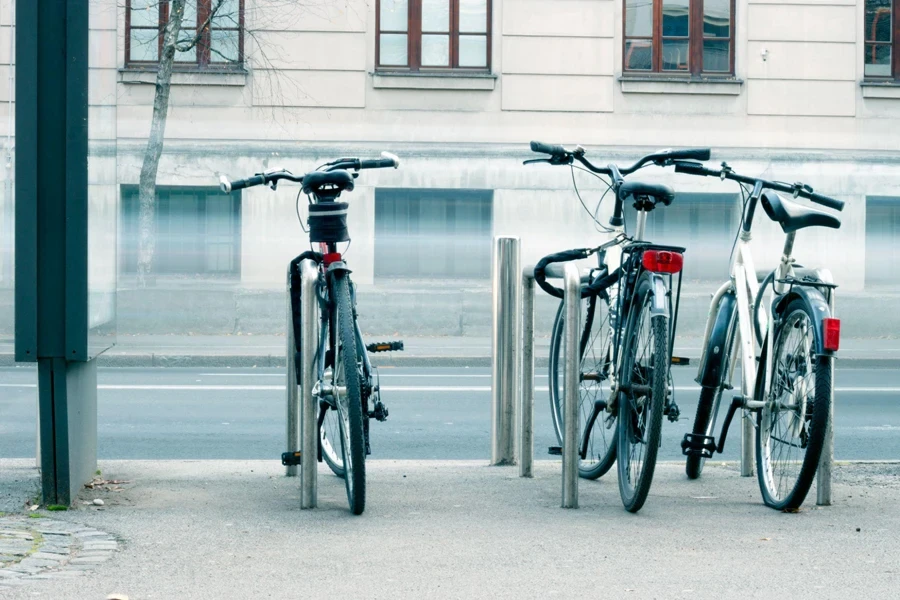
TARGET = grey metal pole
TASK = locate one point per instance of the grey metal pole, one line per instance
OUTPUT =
(748, 432)
(309, 440)
(293, 398)
(826, 461)
(526, 408)
(570, 388)
(506, 272)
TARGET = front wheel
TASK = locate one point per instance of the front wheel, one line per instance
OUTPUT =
(644, 378)
(791, 426)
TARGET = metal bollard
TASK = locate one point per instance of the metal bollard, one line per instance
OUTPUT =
(826, 461)
(505, 281)
(293, 398)
(570, 388)
(526, 349)
(309, 439)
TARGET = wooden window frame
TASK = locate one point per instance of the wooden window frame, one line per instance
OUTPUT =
(695, 44)
(894, 45)
(414, 40)
(204, 55)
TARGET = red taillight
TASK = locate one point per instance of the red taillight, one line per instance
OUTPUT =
(663, 261)
(331, 257)
(831, 331)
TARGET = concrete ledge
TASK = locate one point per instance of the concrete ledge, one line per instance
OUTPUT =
(148, 77)
(877, 89)
(433, 81)
(680, 85)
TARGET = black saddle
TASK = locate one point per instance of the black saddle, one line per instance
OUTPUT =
(792, 216)
(337, 180)
(657, 191)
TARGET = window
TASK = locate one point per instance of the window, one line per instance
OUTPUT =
(433, 233)
(691, 37)
(218, 46)
(420, 35)
(882, 241)
(198, 231)
(882, 55)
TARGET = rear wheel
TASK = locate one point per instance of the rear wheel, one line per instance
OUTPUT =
(644, 375)
(791, 425)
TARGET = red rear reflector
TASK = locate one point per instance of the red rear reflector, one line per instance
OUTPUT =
(663, 261)
(331, 257)
(831, 331)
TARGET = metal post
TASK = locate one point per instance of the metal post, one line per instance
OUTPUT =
(309, 431)
(293, 398)
(526, 408)
(505, 281)
(570, 388)
(826, 461)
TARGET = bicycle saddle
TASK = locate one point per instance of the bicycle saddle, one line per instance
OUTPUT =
(637, 189)
(792, 216)
(315, 181)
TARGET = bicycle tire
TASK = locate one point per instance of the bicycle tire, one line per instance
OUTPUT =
(812, 428)
(350, 405)
(640, 426)
(330, 430)
(595, 358)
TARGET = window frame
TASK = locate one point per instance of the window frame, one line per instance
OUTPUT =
(894, 77)
(695, 44)
(414, 41)
(203, 47)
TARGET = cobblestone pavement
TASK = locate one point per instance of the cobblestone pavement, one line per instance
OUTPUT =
(43, 548)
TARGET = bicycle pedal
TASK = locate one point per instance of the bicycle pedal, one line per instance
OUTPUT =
(554, 450)
(290, 458)
(384, 346)
(681, 361)
(672, 412)
(698, 445)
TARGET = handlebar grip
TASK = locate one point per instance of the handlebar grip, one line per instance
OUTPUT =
(693, 169)
(551, 149)
(230, 186)
(691, 154)
(378, 163)
(826, 201)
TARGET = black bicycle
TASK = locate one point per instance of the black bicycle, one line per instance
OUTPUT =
(347, 383)
(626, 342)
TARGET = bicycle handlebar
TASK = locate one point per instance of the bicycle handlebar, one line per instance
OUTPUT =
(798, 189)
(561, 155)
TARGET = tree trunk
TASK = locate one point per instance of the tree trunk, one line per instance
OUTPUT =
(147, 189)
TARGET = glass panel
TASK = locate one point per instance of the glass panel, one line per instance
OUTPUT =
(473, 16)
(144, 13)
(638, 55)
(144, 44)
(638, 18)
(436, 15)
(676, 18)
(716, 55)
(393, 49)
(435, 50)
(190, 15)
(878, 60)
(188, 56)
(224, 45)
(188, 32)
(394, 16)
(878, 20)
(675, 55)
(716, 18)
(473, 51)
(228, 14)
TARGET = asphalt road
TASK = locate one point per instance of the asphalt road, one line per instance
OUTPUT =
(434, 414)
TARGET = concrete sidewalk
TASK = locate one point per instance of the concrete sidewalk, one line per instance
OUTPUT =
(438, 351)
(223, 530)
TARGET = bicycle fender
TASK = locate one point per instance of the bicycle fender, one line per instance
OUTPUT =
(818, 308)
(712, 366)
(660, 304)
(338, 266)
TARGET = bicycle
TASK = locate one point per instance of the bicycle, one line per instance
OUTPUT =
(629, 327)
(790, 390)
(346, 381)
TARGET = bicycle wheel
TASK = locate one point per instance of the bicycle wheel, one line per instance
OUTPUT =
(791, 426)
(347, 397)
(644, 375)
(596, 369)
(711, 397)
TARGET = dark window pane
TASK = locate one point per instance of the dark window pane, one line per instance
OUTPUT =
(675, 55)
(716, 18)
(882, 240)
(878, 60)
(878, 20)
(676, 18)
(716, 56)
(639, 55)
(638, 18)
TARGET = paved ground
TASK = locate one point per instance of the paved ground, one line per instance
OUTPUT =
(436, 413)
(223, 530)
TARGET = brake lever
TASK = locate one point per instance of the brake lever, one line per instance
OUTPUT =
(537, 160)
